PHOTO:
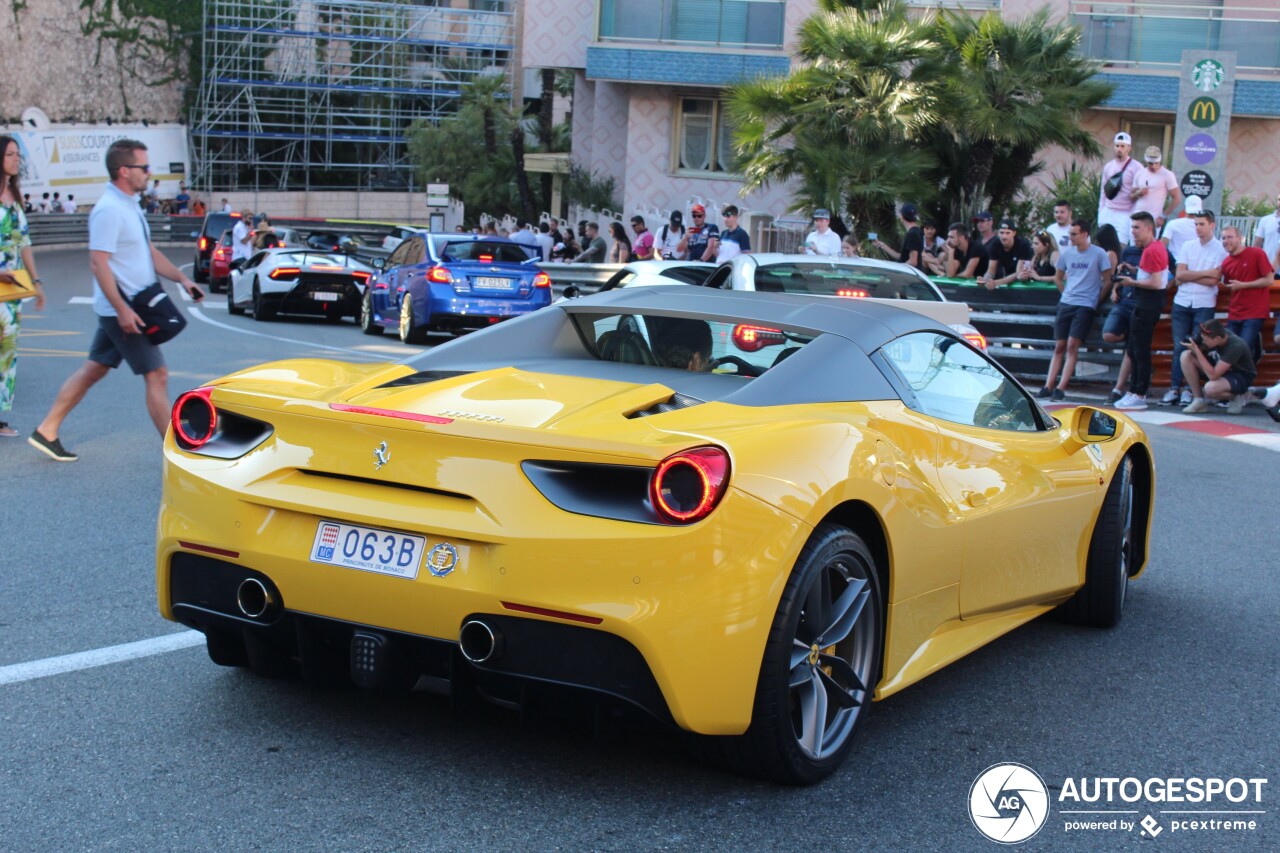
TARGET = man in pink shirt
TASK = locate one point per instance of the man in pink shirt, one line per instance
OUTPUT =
(1116, 211)
(1155, 188)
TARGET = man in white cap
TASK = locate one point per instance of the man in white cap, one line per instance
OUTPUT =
(1180, 232)
(1155, 188)
(1115, 201)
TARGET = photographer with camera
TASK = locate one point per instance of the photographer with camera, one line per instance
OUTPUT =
(1224, 360)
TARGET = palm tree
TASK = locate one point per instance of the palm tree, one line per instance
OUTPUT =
(848, 121)
(1012, 88)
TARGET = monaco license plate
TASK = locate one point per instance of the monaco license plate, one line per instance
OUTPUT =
(491, 283)
(324, 296)
(368, 549)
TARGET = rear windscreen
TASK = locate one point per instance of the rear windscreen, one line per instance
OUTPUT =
(682, 343)
(819, 278)
(484, 251)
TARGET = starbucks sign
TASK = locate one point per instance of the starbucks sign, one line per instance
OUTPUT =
(1207, 75)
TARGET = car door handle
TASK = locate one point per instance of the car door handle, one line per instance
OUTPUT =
(975, 498)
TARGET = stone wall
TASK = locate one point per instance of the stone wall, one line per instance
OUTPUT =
(46, 61)
(403, 207)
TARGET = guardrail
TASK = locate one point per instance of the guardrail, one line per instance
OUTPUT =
(51, 229)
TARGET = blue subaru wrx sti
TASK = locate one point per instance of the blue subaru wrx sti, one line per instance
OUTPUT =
(453, 282)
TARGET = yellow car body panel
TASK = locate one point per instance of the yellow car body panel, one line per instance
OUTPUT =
(697, 601)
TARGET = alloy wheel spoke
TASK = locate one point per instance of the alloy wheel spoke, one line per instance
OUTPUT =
(799, 656)
(842, 668)
(846, 611)
(813, 715)
(839, 695)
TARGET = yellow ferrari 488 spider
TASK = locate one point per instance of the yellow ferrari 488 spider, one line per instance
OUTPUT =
(743, 515)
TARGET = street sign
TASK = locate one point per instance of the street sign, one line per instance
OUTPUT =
(437, 195)
(1205, 99)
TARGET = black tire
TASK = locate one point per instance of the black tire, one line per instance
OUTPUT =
(410, 332)
(218, 286)
(232, 308)
(368, 324)
(811, 702)
(1100, 602)
(263, 310)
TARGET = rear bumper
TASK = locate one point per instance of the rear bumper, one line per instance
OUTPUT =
(446, 309)
(680, 614)
(299, 298)
(536, 654)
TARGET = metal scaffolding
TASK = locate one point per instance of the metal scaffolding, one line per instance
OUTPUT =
(312, 94)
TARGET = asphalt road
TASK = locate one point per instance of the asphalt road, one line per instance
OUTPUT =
(168, 751)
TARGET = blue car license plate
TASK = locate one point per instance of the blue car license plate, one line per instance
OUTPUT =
(491, 283)
(368, 549)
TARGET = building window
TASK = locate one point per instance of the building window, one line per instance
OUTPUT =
(704, 139)
(1147, 133)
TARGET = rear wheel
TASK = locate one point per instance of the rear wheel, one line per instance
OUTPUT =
(232, 308)
(368, 322)
(262, 309)
(1100, 602)
(410, 333)
(821, 664)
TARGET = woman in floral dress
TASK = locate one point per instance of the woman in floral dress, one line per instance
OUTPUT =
(15, 254)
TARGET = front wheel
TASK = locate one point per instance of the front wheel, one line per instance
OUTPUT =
(368, 322)
(1100, 602)
(821, 664)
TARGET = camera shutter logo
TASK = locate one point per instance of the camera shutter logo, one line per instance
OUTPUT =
(1008, 803)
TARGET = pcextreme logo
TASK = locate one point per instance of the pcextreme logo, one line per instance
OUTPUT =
(1009, 803)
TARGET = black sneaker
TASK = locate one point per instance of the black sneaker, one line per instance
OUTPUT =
(1044, 394)
(1058, 395)
(1114, 396)
(52, 448)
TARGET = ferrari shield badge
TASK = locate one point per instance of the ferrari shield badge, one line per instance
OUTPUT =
(442, 559)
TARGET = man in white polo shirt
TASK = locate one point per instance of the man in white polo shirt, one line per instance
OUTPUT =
(124, 263)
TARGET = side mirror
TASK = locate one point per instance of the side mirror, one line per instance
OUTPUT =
(1089, 426)
(572, 292)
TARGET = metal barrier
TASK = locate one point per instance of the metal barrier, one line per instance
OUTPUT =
(51, 229)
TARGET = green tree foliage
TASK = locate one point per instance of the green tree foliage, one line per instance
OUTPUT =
(885, 105)
(471, 152)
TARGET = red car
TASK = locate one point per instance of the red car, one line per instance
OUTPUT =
(220, 263)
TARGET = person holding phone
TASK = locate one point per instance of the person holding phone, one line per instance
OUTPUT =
(124, 262)
(822, 240)
(1226, 376)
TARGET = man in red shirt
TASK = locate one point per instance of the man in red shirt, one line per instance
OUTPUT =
(1248, 274)
(1149, 281)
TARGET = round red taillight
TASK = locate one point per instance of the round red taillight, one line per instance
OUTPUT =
(686, 487)
(195, 419)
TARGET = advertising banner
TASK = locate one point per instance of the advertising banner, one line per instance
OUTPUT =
(1205, 96)
(73, 160)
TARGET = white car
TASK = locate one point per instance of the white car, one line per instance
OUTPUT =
(844, 278)
(649, 274)
(299, 281)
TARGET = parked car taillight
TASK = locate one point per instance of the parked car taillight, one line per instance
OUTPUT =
(756, 338)
(439, 275)
(542, 280)
(687, 486)
(284, 272)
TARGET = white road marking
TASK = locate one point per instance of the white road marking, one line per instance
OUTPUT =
(1148, 416)
(1267, 441)
(80, 300)
(19, 672)
(196, 312)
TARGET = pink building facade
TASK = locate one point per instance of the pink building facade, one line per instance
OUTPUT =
(651, 78)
